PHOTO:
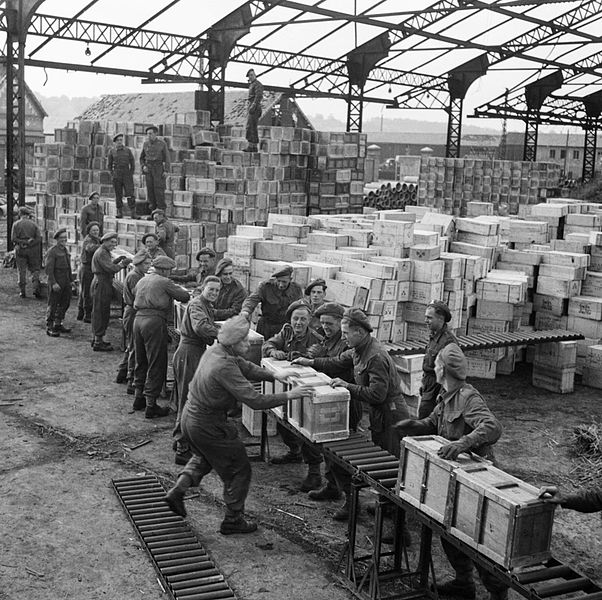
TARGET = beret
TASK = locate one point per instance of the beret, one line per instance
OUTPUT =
(157, 211)
(149, 234)
(357, 317)
(313, 284)
(117, 136)
(109, 235)
(285, 271)
(442, 309)
(250, 71)
(233, 330)
(330, 308)
(59, 232)
(152, 128)
(92, 224)
(454, 361)
(164, 262)
(205, 250)
(293, 306)
(222, 264)
(140, 257)
(93, 194)
(25, 210)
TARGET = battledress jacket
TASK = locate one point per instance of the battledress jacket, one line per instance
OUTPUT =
(274, 302)
(430, 388)
(286, 341)
(585, 501)
(230, 299)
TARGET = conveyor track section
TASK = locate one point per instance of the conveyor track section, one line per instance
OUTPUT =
(378, 468)
(184, 568)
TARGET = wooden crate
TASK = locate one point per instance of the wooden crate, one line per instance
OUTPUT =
(251, 419)
(324, 415)
(424, 478)
(553, 379)
(500, 516)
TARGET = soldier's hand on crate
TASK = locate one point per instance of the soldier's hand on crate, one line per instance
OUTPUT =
(551, 494)
(303, 362)
(299, 392)
(452, 450)
(56, 287)
(338, 382)
(278, 354)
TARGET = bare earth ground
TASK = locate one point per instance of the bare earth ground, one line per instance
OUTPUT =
(62, 434)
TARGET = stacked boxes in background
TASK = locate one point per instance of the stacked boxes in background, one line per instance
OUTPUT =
(554, 367)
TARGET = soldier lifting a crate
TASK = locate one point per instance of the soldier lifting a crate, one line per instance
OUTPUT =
(121, 163)
(437, 316)
(221, 382)
(155, 163)
(275, 296)
(462, 417)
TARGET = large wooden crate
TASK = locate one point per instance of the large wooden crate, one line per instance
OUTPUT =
(424, 478)
(500, 516)
(324, 415)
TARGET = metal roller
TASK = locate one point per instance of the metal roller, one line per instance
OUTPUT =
(210, 595)
(211, 587)
(203, 572)
(191, 583)
(199, 554)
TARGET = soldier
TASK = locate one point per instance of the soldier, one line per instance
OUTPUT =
(205, 258)
(437, 316)
(155, 163)
(58, 270)
(254, 99)
(275, 296)
(153, 304)
(104, 269)
(150, 241)
(166, 232)
(91, 213)
(197, 331)
(122, 164)
(220, 383)
(27, 240)
(315, 293)
(232, 293)
(90, 245)
(125, 371)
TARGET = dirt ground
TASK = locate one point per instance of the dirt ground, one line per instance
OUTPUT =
(63, 435)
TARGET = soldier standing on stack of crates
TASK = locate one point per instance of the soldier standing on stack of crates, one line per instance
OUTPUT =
(255, 98)
(275, 296)
(436, 316)
(121, 163)
(27, 239)
(91, 213)
(155, 163)
(462, 417)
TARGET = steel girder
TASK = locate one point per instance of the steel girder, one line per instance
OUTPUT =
(355, 107)
(454, 128)
(589, 149)
(531, 131)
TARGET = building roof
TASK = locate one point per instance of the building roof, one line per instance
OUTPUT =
(36, 104)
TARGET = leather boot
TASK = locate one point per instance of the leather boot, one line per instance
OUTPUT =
(61, 328)
(237, 524)
(37, 293)
(457, 588)
(139, 402)
(130, 389)
(153, 410)
(175, 496)
(328, 492)
(313, 480)
(80, 314)
(50, 330)
(22, 293)
(342, 514)
(121, 377)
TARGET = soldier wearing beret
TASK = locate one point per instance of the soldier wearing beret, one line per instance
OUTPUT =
(121, 163)
(232, 293)
(436, 316)
(90, 245)
(376, 384)
(275, 296)
(462, 417)
(27, 239)
(166, 232)
(254, 114)
(155, 163)
(58, 270)
(125, 370)
(153, 305)
(104, 269)
(91, 212)
(150, 241)
(205, 258)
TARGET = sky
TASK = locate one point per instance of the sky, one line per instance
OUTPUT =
(190, 17)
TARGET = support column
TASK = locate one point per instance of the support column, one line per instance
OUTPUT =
(355, 107)
(531, 131)
(589, 150)
(454, 127)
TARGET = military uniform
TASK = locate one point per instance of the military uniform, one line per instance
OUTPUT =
(91, 214)
(430, 389)
(254, 114)
(103, 269)
(274, 304)
(585, 501)
(166, 232)
(155, 163)
(121, 163)
(89, 246)
(197, 331)
(230, 300)
(153, 303)
(27, 239)
(58, 270)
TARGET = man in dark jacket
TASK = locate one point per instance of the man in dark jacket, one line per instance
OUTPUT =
(104, 269)
(91, 212)
(121, 163)
(275, 296)
(462, 417)
(222, 382)
(585, 501)
(153, 305)
(90, 245)
(27, 240)
(58, 270)
(437, 316)
(166, 232)
(254, 99)
(232, 293)
(155, 163)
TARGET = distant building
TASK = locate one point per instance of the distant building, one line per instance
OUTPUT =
(34, 126)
